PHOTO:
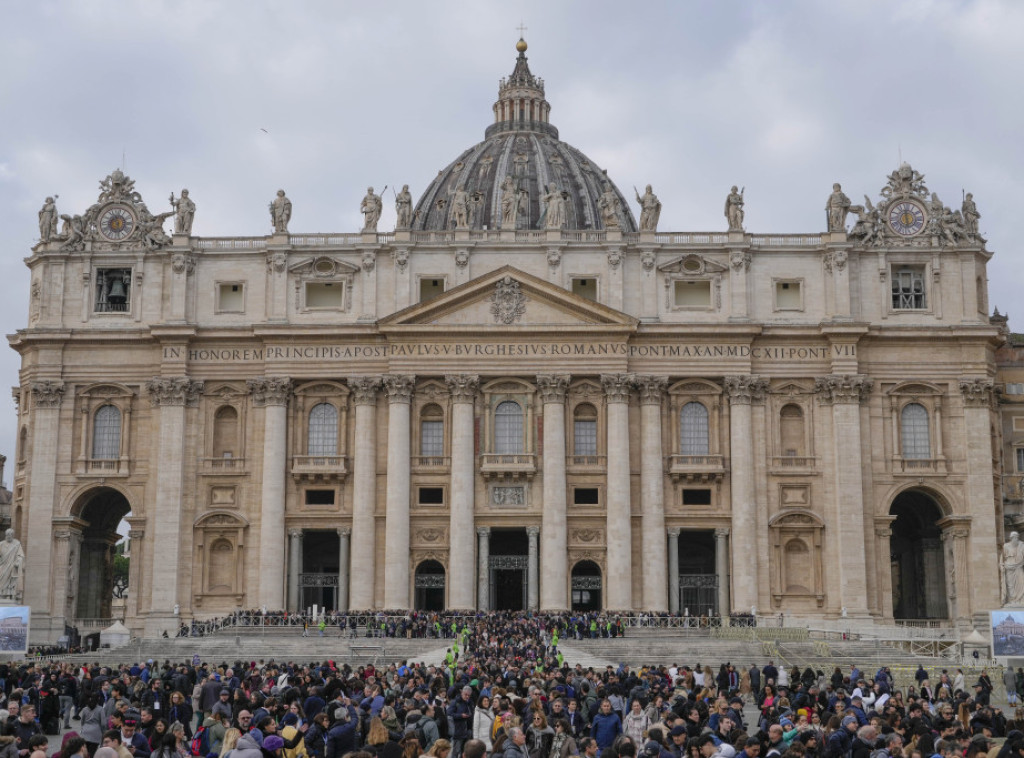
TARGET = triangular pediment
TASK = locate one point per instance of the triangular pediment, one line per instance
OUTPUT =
(693, 264)
(509, 299)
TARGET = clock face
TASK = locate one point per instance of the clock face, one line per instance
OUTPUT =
(906, 218)
(117, 223)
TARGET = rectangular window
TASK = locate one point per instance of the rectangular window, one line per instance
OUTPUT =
(319, 497)
(788, 296)
(586, 496)
(908, 291)
(431, 495)
(585, 287)
(697, 497)
(1018, 423)
(231, 297)
(1020, 459)
(113, 290)
(432, 438)
(1015, 389)
(430, 288)
(584, 437)
(325, 295)
(693, 294)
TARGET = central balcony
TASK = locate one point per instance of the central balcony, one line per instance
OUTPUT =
(319, 466)
(696, 468)
(104, 467)
(508, 466)
(586, 464)
(222, 466)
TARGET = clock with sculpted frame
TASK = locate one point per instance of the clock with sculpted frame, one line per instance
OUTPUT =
(116, 222)
(906, 217)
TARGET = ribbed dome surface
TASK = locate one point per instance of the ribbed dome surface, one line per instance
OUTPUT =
(523, 145)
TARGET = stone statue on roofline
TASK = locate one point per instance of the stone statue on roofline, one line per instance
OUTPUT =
(281, 212)
(836, 208)
(734, 209)
(650, 210)
(403, 208)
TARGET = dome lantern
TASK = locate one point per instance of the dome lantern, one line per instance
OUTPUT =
(521, 105)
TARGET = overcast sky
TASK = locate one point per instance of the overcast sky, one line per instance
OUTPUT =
(783, 98)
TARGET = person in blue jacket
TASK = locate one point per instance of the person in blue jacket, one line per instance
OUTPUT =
(606, 725)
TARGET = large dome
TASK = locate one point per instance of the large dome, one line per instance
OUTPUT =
(520, 154)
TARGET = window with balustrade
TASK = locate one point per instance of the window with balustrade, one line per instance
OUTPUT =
(106, 433)
(792, 431)
(915, 431)
(322, 434)
(225, 432)
(584, 422)
(432, 431)
(693, 429)
(508, 428)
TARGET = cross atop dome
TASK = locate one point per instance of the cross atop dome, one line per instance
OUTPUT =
(521, 105)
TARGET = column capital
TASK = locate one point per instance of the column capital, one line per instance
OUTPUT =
(843, 388)
(295, 533)
(744, 389)
(617, 386)
(977, 391)
(722, 533)
(532, 531)
(344, 532)
(954, 527)
(552, 387)
(674, 532)
(399, 387)
(270, 390)
(483, 531)
(47, 394)
(364, 389)
(463, 387)
(174, 390)
(652, 388)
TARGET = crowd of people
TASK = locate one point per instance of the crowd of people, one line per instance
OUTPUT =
(504, 690)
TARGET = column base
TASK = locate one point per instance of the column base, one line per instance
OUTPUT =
(158, 623)
(44, 629)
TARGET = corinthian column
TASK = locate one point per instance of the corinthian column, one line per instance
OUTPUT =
(272, 393)
(364, 494)
(743, 391)
(45, 419)
(554, 529)
(652, 494)
(984, 548)
(619, 578)
(462, 511)
(396, 544)
(845, 393)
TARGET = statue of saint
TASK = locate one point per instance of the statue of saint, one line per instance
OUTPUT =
(650, 210)
(48, 220)
(1013, 570)
(837, 206)
(970, 213)
(371, 208)
(734, 210)
(12, 561)
(403, 208)
(281, 212)
(511, 202)
(460, 209)
(151, 228)
(184, 212)
(609, 206)
(554, 208)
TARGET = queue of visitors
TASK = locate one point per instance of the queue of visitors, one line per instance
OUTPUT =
(505, 691)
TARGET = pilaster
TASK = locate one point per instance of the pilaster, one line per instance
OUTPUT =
(652, 494)
(555, 540)
(399, 389)
(619, 578)
(463, 389)
(364, 492)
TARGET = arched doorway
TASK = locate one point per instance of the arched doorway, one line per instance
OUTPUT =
(102, 555)
(915, 551)
(586, 586)
(429, 586)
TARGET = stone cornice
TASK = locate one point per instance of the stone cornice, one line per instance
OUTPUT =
(552, 387)
(174, 390)
(270, 390)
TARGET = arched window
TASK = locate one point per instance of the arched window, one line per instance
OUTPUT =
(796, 569)
(432, 431)
(225, 432)
(584, 430)
(106, 433)
(916, 439)
(508, 428)
(791, 430)
(693, 429)
(323, 430)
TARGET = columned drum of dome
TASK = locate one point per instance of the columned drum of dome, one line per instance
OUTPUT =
(505, 177)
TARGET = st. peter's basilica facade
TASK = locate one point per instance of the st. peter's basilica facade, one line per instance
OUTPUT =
(523, 397)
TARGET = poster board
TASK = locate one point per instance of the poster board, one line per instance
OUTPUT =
(1007, 633)
(14, 629)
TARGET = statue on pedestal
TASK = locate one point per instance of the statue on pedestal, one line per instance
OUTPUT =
(281, 212)
(12, 562)
(609, 206)
(650, 210)
(403, 208)
(554, 208)
(371, 208)
(837, 206)
(1013, 571)
(184, 212)
(48, 220)
(734, 209)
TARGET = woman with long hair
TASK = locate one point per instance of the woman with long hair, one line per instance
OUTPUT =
(440, 749)
(379, 742)
(483, 721)
(92, 723)
(230, 740)
(539, 736)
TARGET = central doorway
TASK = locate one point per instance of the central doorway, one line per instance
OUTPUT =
(917, 561)
(509, 560)
(318, 580)
(698, 582)
(429, 583)
(586, 586)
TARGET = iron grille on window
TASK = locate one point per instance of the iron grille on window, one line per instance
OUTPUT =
(914, 419)
(106, 433)
(432, 438)
(323, 430)
(908, 290)
(508, 428)
(693, 429)
(585, 437)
